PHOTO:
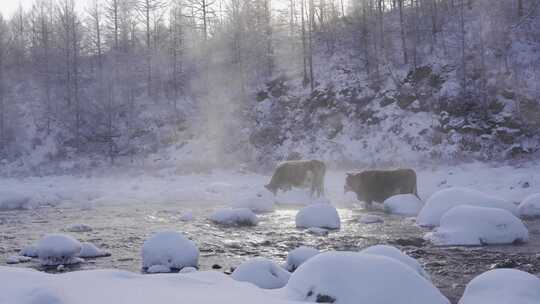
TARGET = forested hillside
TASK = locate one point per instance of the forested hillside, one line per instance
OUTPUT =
(203, 83)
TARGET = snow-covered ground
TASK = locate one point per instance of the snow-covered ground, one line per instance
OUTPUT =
(164, 186)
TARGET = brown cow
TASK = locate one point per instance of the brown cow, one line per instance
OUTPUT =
(300, 174)
(378, 185)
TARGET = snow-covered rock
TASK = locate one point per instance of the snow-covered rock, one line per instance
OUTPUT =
(255, 204)
(469, 225)
(261, 272)
(530, 206)
(16, 259)
(394, 253)
(403, 204)
(29, 251)
(370, 219)
(89, 250)
(503, 286)
(58, 249)
(12, 200)
(238, 216)
(79, 228)
(352, 278)
(170, 249)
(319, 216)
(188, 270)
(446, 199)
(158, 269)
(298, 256)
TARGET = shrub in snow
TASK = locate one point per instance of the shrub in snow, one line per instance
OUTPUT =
(530, 206)
(238, 216)
(403, 204)
(502, 286)
(370, 219)
(296, 257)
(319, 216)
(469, 225)
(90, 250)
(58, 249)
(12, 200)
(255, 204)
(446, 199)
(79, 228)
(261, 272)
(352, 278)
(29, 251)
(394, 253)
(169, 249)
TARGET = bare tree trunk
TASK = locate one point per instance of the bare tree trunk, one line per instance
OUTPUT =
(311, 25)
(402, 32)
(463, 45)
(304, 44)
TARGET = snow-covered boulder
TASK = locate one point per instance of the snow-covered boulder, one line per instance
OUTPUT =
(58, 249)
(469, 225)
(394, 253)
(90, 250)
(298, 256)
(370, 219)
(16, 259)
(169, 249)
(352, 278)
(530, 206)
(403, 204)
(261, 272)
(503, 286)
(255, 204)
(446, 199)
(238, 216)
(12, 200)
(319, 216)
(29, 251)
(79, 228)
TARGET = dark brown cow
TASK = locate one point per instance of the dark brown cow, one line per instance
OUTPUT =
(378, 185)
(299, 174)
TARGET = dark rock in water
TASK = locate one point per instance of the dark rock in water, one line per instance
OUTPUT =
(324, 299)
(216, 266)
(507, 263)
(415, 242)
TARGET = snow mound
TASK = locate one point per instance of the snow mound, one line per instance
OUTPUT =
(158, 269)
(29, 251)
(12, 200)
(90, 250)
(502, 286)
(261, 272)
(26, 286)
(446, 199)
(530, 206)
(187, 217)
(298, 256)
(370, 219)
(238, 216)
(319, 216)
(255, 204)
(170, 249)
(352, 278)
(403, 204)
(58, 249)
(469, 225)
(396, 254)
(79, 228)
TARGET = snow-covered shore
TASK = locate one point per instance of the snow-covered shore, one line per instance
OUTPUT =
(507, 182)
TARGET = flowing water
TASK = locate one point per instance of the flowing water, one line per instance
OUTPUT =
(121, 230)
